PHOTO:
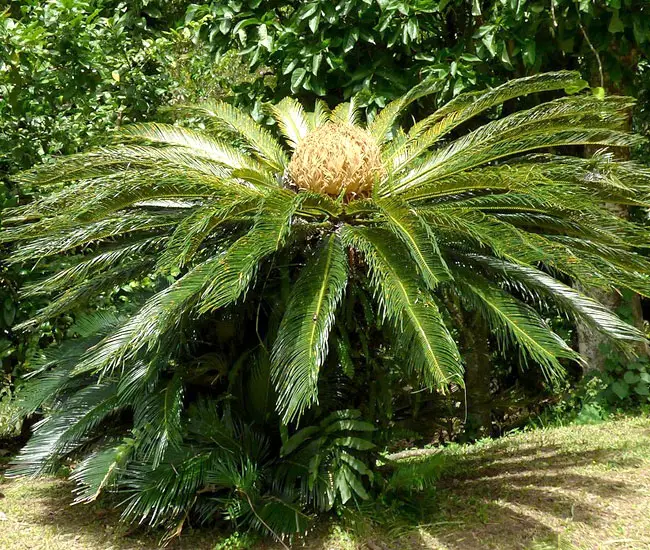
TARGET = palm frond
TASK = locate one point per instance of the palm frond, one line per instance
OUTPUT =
(58, 236)
(302, 342)
(161, 496)
(227, 118)
(239, 264)
(346, 113)
(566, 298)
(123, 158)
(319, 116)
(81, 293)
(430, 350)
(418, 240)
(151, 328)
(157, 419)
(97, 263)
(99, 471)
(485, 233)
(213, 284)
(199, 143)
(512, 320)
(570, 121)
(63, 431)
(382, 124)
(466, 106)
(187, 238)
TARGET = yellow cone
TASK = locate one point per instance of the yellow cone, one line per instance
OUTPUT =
(337, 157)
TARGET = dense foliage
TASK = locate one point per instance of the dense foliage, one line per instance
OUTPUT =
(379, 49)
(262, 412)
(70, 73)
(276, 328)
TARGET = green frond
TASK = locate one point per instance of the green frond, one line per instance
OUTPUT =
(474, 230)
(625, 270)
(99, 471)
(568, 121)
(63, 431)
(382, 124)
(152, 327)
(512, 320)
(417, 239)
(611, 112)
(187, 238)
(157, 420)
(88, 267)
(280, 515)
(292, 120)
(319, 116)
(487, 179)
(435, 167)
(302, 341)
(142, 191)
(127, 159)
(45, 382)
(430, 350)
(616, 254)
(566, 298)
(161, 496)
(200, 144)
(466, 106)
(77, 235)
(76, 296)
(99, 204)
(239, 264)
(324, 459)
(215, 283)
(231, 120)
(484, 233)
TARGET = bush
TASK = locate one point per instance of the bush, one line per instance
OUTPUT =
(282, 297)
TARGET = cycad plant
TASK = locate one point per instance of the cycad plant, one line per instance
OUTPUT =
(282, 279)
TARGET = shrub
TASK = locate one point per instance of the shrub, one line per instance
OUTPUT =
(274, 328)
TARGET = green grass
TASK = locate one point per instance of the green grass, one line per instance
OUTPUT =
(575, 487)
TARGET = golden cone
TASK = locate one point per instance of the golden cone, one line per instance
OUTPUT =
(337, 157)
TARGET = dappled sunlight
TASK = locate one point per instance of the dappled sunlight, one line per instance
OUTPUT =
(522, 493)
(580, 487)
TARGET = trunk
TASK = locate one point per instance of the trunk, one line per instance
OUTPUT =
(476, 351)
(590, 342)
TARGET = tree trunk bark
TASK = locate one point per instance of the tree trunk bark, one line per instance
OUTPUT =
(590, 341)
(475, 344)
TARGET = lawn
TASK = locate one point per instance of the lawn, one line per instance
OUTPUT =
(578, 487)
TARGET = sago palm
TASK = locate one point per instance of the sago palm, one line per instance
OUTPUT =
(297, 239)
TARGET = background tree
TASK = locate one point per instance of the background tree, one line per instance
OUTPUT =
(380, 48)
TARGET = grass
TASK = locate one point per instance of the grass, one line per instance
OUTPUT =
(576, 487)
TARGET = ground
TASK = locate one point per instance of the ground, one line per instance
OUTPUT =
(575, 487)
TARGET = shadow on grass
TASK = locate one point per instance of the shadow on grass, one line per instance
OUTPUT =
(48, 504)
(505, 498)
